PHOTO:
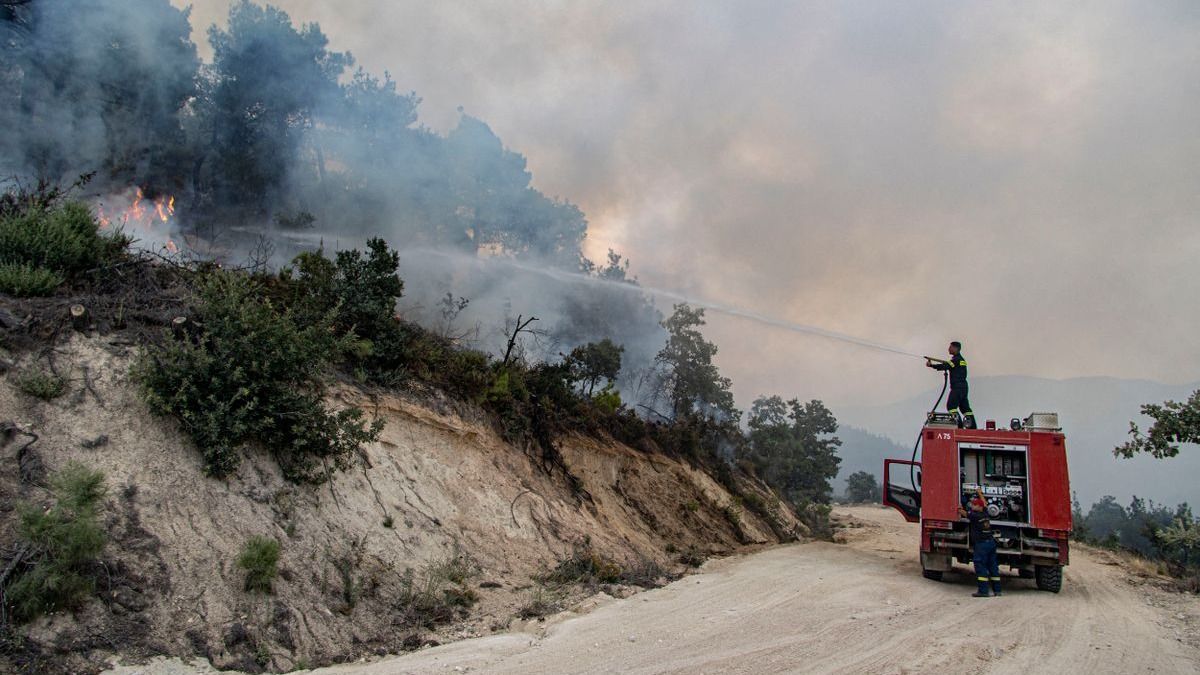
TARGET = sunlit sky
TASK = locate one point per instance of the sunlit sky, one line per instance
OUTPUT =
(1021, 176)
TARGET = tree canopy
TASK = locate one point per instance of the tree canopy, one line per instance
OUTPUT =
(1174, 424)
(595, 361)
(861, 486)
(790, 449)
(691, 381)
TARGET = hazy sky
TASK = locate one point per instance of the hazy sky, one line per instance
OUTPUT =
(1022, 176)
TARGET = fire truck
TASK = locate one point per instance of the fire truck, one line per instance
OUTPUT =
(1020, 471)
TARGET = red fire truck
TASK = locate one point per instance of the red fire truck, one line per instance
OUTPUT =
(1021, 472)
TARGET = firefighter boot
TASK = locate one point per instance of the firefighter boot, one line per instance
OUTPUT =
(969, 421)
(983, 588)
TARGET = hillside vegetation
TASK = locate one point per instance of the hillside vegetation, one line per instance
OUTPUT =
(272, 469)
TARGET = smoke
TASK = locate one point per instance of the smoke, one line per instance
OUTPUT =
(94, 86)
(277, 130)
(279, 145)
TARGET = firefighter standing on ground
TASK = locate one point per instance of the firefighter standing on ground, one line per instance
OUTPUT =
(983, 547)
(956, 402)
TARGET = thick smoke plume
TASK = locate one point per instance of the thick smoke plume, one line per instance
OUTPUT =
(280, 145)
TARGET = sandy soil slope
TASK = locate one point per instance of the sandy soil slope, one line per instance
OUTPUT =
(439, 485)
(857, 607)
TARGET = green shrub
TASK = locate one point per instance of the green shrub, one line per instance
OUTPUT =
(41, 384)
(608, 400)
(260, 559)
(24, 280)
(253, 374)
(358, 292)
(42, 245)
(61, 543)
(815, 516)
(733, 514)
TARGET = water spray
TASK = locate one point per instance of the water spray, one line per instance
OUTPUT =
(729, 310)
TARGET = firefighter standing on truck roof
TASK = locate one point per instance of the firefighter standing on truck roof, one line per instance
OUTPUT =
(983, 548)
(957, 401)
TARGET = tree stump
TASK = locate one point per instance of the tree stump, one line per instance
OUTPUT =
(79, 317)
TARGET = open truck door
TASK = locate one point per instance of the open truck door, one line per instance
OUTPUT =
(902, 487)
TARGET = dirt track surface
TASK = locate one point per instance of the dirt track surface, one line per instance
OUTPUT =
(859, 607)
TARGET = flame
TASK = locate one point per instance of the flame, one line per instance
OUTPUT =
(143, 214)
(143, 211)
(137, 211)
(165, 208)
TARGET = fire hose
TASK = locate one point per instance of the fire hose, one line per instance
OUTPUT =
(917, 444)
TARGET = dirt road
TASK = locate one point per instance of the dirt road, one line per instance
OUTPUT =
(859, 607)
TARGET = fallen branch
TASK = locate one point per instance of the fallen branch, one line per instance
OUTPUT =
(648, 408)
(87, 383)
(17, 559)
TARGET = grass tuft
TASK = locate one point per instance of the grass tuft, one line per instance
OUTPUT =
(24, 280)
(41, 384)
(260, 559)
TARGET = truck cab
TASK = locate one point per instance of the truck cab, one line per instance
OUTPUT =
(1021, 472)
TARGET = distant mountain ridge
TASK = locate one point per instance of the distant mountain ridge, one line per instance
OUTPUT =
(1095, 413)
(862, 450)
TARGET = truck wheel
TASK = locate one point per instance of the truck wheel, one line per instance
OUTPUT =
(932, 575)
(1049, 578)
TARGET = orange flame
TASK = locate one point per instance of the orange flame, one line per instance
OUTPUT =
(142, 211)
(137, 211)
(143, 215)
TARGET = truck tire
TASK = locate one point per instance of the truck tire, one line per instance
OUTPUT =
(1049, 578)
(932, 575)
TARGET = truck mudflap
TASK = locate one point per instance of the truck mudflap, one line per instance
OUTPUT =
(936, 562)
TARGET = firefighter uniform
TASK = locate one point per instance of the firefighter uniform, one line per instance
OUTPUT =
(983, 545)
(957, 401)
